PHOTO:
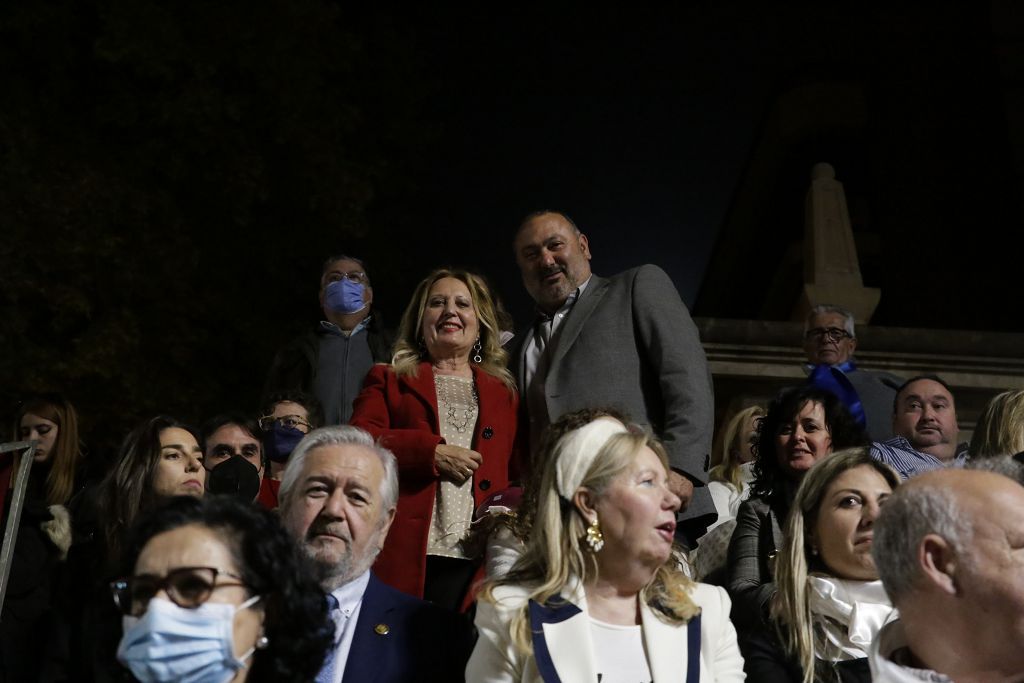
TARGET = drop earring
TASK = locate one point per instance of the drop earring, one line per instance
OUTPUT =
(594, 538)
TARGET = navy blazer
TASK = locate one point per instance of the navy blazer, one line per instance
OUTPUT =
(400, 638)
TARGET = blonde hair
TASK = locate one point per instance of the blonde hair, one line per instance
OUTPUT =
(791, 606)
(725, 462)
(1000, 429)
(554, 555)
(409, 351)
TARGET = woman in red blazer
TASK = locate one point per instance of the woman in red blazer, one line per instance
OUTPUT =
(446, 406)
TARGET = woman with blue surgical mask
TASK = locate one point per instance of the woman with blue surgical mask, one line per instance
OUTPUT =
(219, 593)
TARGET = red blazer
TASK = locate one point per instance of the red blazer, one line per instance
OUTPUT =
(402, 413)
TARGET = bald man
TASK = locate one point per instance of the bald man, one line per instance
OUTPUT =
(949, 546)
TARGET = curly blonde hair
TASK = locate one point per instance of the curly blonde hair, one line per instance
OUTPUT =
(409, 351)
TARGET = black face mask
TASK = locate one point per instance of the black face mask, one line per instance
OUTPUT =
(235, 476)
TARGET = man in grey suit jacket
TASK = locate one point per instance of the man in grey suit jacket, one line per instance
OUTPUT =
(625, 342)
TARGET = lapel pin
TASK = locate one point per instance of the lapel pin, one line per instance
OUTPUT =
(382, 629)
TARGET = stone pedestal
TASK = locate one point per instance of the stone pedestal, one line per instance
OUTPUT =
(831, 270)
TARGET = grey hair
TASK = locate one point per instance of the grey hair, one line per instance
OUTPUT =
(1006, 465)
(343, 435)
(910, 514)
(831, 308)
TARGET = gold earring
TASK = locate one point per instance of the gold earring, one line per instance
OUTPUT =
(595, 539)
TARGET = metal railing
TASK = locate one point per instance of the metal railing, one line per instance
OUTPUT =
(19, 481)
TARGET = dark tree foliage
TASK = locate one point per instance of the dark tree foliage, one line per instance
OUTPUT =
(171, 175)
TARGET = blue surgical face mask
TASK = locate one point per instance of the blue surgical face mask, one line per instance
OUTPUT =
(281, 441)
(172, 643)
(344, 296)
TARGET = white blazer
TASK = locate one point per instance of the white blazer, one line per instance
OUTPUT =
(563, 651)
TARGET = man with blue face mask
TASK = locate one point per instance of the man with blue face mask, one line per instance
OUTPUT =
(288, 417)
(331, 361)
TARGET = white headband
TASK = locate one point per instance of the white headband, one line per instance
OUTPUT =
(577, 450)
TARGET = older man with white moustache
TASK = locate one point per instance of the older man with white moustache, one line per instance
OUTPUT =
(949, 547)
(338, 497)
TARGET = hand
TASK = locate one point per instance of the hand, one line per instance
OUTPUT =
(455, 463)
(682, 487)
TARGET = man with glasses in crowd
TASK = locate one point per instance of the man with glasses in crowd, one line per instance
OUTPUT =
(331, 361)
(829, 342)
(288, 417)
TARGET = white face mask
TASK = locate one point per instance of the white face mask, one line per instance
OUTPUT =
(172, 643)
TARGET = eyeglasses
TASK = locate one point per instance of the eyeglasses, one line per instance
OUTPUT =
(832, 334)
(357, 276)
(187, 587)
(291, 421)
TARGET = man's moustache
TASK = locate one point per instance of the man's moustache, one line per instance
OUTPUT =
(331, 529)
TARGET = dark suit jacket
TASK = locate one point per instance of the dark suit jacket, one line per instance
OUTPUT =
(402, 413)
(630, 343)
(401, 639)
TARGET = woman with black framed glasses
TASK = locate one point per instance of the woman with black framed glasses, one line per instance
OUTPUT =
(218, 592)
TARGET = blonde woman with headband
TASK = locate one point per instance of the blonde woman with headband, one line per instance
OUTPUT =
(598, 594)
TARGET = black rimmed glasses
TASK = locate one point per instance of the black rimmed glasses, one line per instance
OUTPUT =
(832, 334)
(187, 587)
(291, 421)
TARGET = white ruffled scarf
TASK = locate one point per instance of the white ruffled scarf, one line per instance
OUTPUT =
(846, 615)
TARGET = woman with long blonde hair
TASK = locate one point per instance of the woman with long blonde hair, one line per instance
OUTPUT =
(830, 602)
(1000, 428)
(446, 406)
(729, 479)
(598, 593)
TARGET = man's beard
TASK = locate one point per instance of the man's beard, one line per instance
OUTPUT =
(561, 291)
(332, 571)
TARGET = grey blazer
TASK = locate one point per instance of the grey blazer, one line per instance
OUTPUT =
(629, 343)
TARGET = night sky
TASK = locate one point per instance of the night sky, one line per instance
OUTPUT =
(173, 174)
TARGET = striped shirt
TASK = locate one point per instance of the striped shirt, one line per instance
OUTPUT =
(899, 454)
